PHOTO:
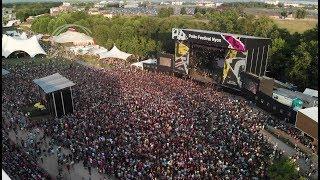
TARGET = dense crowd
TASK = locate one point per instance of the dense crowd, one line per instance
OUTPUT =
(17, 163)
(135, 124)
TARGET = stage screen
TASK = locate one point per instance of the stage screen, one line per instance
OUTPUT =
(207, 61)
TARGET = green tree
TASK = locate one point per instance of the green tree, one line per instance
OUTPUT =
(301, 13)
(284, 14)
(301, 61)
(165, 12)
(283, 168)
(183, 10)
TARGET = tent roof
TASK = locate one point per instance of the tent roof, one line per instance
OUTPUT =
(148, 61)
(72, 36)
(311, 92)
(115, 53)
(5, 176)
(30, 46)
(4, 72)
(53, 83)
(311, 113)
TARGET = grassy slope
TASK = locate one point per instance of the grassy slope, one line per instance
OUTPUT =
(297, 25)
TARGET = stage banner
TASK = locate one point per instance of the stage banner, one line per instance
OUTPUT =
(181, 57)
(234, 64)
(205, 37)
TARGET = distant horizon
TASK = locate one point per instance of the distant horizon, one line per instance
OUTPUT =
(314, 2)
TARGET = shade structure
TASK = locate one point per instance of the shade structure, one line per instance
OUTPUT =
(31, 46)
(4, 72)
(140, 64)
(56, 94)
(307, 121)
(53, 83)
(115, 53)
(74, 37)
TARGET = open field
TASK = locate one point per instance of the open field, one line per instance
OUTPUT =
(297, 25)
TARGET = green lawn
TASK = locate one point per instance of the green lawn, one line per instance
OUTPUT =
(297, 25)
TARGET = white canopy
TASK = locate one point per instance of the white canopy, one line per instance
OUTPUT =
(311, 92)
(30, 46)
(74, 37)
(115, 53)
(4, 72)
(140, 64)
(5, 176)
(53, 83)
(311, 113)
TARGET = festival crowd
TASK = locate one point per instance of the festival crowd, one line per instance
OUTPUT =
(134, 124)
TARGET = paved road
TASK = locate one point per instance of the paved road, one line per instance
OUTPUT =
(289, 151)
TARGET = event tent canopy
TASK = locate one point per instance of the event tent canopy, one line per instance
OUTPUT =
(115, 53)
(73, 37)
(30, 46)
(53, 83)
(140, 64)
(4, 72)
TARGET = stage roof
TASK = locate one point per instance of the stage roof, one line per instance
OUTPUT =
(4, 72)
(53, 83)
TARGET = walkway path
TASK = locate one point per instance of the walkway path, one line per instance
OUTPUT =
(289, 151)
(78, 172)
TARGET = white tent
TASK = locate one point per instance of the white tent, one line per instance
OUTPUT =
(115, 53)
(140, 64)
(73, 37)
(5, 176)
(30, 46)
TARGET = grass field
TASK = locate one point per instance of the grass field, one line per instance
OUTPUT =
(297, 25)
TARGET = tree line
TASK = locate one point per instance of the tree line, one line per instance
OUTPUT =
(24, 10)
(293, 57)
